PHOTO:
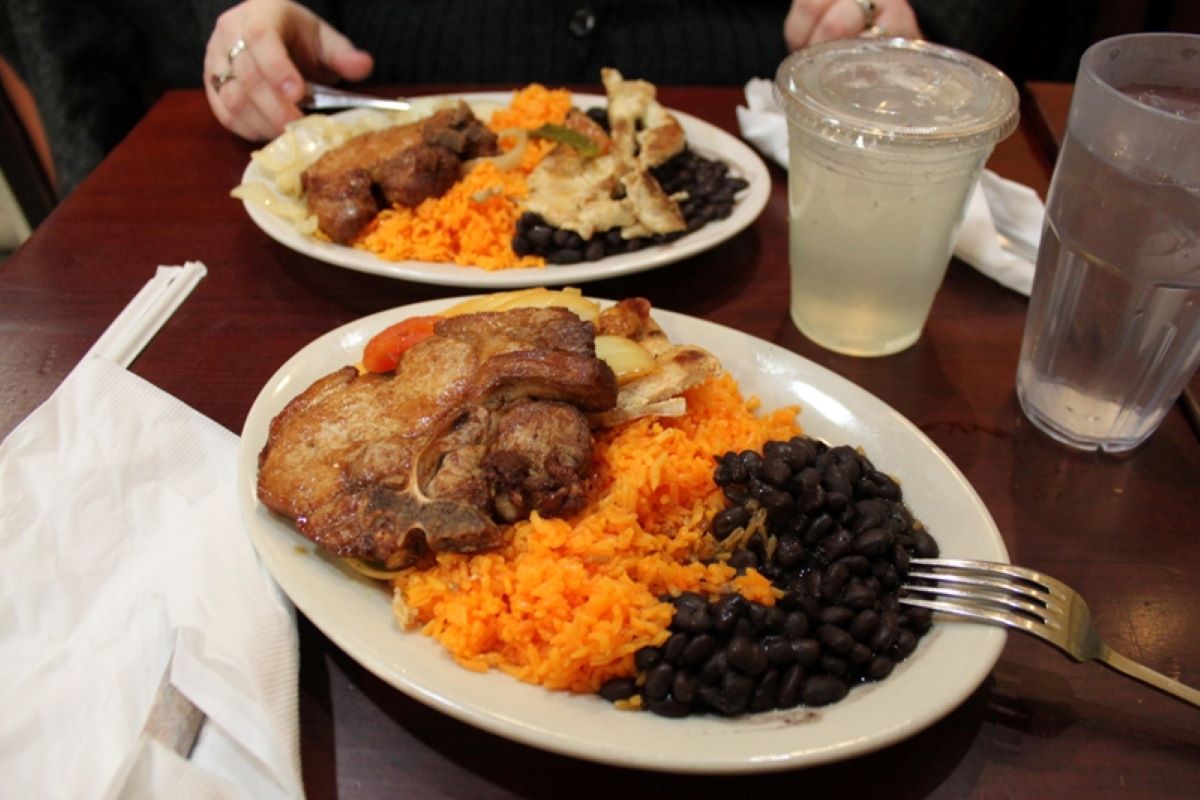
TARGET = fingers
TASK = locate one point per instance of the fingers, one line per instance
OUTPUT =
(284, 44)
(814, 21)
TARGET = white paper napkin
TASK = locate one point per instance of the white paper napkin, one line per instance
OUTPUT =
(1000, 234)
(122, 551)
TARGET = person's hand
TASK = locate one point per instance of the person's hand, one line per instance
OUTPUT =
(814, 21)
(258, 58)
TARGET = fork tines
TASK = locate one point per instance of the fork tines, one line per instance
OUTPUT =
(984, 590)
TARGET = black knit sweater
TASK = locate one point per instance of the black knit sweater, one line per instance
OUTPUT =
(95, 66)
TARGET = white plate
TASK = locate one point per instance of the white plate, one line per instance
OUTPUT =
(705, 139)
(951, 661)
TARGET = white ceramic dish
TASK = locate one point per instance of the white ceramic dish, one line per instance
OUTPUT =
(705, 139)
(355, 613)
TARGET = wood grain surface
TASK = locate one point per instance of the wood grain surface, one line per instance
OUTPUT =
(1122, 531)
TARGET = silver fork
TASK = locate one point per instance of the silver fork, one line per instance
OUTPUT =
(326, 98)
(1028, 601)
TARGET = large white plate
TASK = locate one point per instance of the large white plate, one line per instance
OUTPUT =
(703, 138)
(951, 661)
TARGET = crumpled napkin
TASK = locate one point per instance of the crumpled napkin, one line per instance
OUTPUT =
(123, 556)
(1000, 234)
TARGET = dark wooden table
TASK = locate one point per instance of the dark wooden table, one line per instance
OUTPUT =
(1122, 531)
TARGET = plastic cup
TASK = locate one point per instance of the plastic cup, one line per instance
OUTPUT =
(1113, 330)
(887, 138)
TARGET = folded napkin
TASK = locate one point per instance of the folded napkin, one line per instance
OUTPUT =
(1000, 234)
(123, 561)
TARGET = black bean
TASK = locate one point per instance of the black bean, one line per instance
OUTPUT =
(790, 684)
(820, 526)
(693, 620)
(795, 625)
(752, 461)
(790, 551)
(806, 651)
(685, 686)
(885, 634)
(919, 620)
(821, 690)
(521, 245)
(833, 665)
(884, 486)
(833, 581)
(859, 654)
(766, 693)
(743, 560)
(906, 642)
(836, 501)
(737, 689)
(713, 671)
(615, 689)
(858, 565)
(900, 558)
(672, 649)
(873, 542)
(836, 615)
(540, 235)
(698, 650)
(923, 544)
(864, 624)
(746, 655)
(594, 250)
(834, 638)
(780, 653)
(775, 471)
(646, 657)
(658, 681)
(879, 668)
(859, 596)
(838, 544)
(669, 707)
(567, 255)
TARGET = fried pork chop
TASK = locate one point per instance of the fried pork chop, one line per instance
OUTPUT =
(484, 422)
(402, 165)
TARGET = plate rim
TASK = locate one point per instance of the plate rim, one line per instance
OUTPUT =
(733, 150)
(987, 642)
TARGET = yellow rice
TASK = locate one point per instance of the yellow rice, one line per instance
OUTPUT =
(567, 602)
(473, 222)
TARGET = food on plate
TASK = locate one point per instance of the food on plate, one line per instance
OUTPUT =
(538, 181)
(402, 165)
(612, 189)
(833, 535)
(664, 542)
(482, 422)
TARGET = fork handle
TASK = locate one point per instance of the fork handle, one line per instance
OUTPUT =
(1114, 660)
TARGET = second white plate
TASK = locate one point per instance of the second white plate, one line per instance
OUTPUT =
(703, 138)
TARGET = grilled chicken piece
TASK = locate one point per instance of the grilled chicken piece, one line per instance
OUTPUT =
(677, 367)
(482, 422)
(642, 130)
(407, 163)
(599, 193)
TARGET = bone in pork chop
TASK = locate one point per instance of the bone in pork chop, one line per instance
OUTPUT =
(484, 422)
(402, 165)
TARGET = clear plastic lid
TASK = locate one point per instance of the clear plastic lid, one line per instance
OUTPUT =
(896, 92)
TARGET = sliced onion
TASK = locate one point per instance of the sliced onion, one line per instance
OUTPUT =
(627, 358)
(508, 159)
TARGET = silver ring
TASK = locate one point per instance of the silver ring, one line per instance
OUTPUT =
(870, 12)
(238, 48)
(217, 81)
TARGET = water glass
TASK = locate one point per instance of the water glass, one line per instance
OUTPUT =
(1113, 329)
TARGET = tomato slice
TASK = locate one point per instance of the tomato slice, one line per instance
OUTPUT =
(383, 352)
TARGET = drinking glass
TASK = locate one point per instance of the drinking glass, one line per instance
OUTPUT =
(1113, 328)
(887, 138)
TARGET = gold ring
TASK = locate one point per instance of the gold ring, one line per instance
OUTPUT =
(238, 48)
(870, 12)
(217, 81)
(875, 32)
